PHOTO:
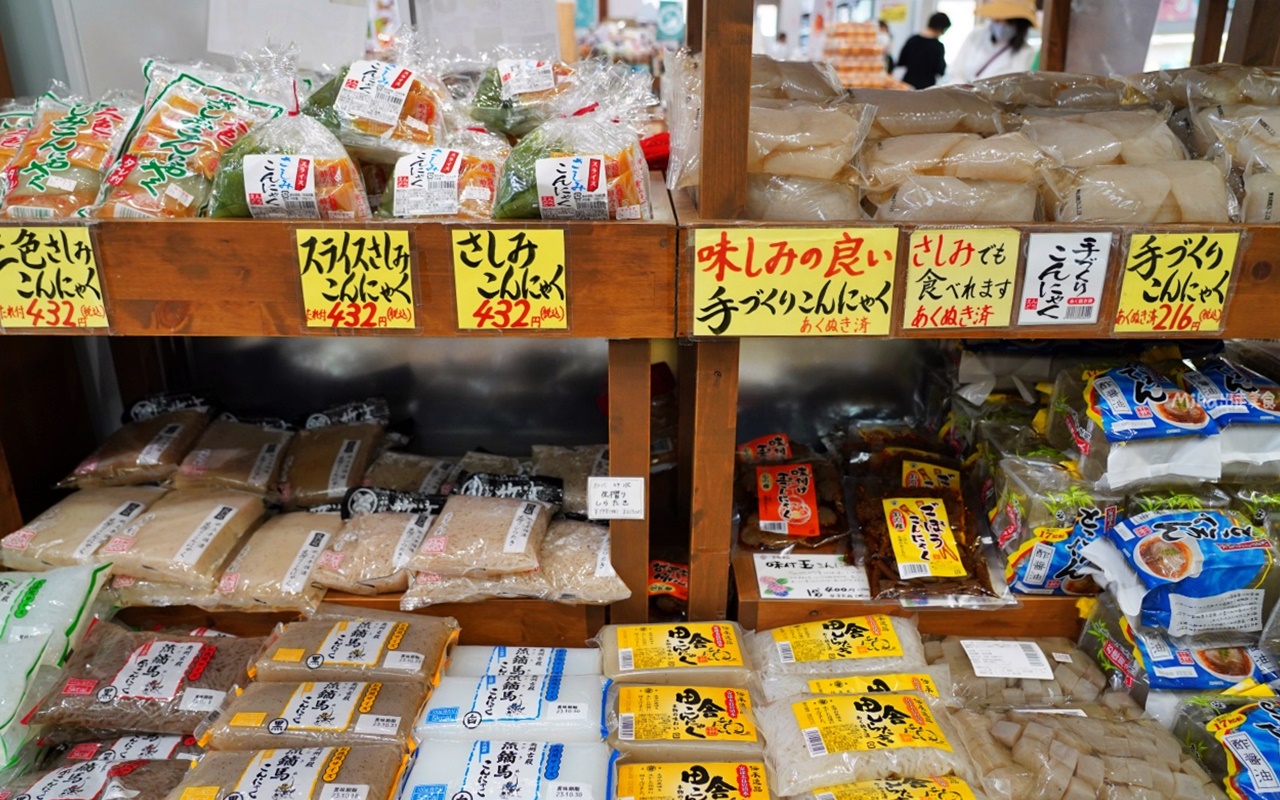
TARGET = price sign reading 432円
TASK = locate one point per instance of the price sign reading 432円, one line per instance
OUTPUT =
(505, 278)
(49, 279)
(356, 278)
(960, 278)
(1176, 282)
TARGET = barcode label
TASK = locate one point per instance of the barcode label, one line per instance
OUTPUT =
(122, 212)
(813, 741)
(1031, 652)
(773, 526)
(626, 659)
(30, 212)
(1077, 312)
(786, 653)
(909, 571)
(627, 726)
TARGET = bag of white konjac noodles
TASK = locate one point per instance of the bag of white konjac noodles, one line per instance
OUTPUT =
(22, 659)
(702, 653)
(324, 462)
(932, 681)
(406, 472)
(826, 740)
(184, 538)
(476, 661)
(576, 560)
(537, 708)
(235, 455)
(483, 536)
(538, 769)
(70, 532)
(371, 552)
(142, 451)
(57, 605)
(573, 465)
(17, 737)
(274, 569)
(358, 649)
(834, 647)
(682, 723)
(126, 591)
(938, 787)
(1013, 673)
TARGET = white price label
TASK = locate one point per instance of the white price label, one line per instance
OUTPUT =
(810, 577)
(1064, 277)
(1006, 659)
(615, 498)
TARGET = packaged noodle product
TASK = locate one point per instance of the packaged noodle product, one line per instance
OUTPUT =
(60, 165)
(275, 566)
(933, 681)
(319, 714)
(941, 198)
(682, 723)
(135, 747)
(431, 588)
(15, 124)
(91, 780)
(834, 647)
(1057, 89)
(19, 748)
(496, 770)
(516, 95)
(185, 537)
(731, 780)
(370, 555)
(173, 155)
(234, 455)
(312, 773)
(805, 140)
(475, 661)
(144, 682)
(56, 607)
(323, 463)
(1252, 748)
(1042, 673)
(127, 591)
(483, 536)
(938, 787)
(405, 472)
(358, 649)
(705, 653)
(478, 461)
(142, 451)
(820, 741)
(71, 531)
(792, 502)
(23, 657)
(780, 198)
(458, 179)
(573, 465)
(531, 708)
(576, 560)
(1245, 405)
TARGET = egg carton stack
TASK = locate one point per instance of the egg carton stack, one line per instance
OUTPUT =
(856, 52)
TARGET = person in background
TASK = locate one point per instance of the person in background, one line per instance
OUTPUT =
(998, 46)
(780, 50)
(923, 56)
(884, 38)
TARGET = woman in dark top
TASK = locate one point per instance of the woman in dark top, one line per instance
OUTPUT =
(924, 56)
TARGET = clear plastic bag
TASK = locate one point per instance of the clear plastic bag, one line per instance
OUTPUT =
(798, 501)
(805, 140)
(16, 118)
(323, 463)
(529, 708)
(682, 723)
(142, 451)
(57, 606)
(776, 198)
(1158, 192)
(934, 198)
(1015, 673)
(938, 786)
(429, 588)
(538, 769)
(71, 531)
(794, 80)
(234, 455)
(275, 567)
(358, 649)
(701, 653)
(101, 780)
(370, 555)
(311, 773)
(933, 681)
(476, 661)
(573, 465)
(483, 536)
(517, 94)
(939, 109)
(682, 93)
(143, 746)
(576, 561)
(405, 472)
(1057, 90)
(459, 178)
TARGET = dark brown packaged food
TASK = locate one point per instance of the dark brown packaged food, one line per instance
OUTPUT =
(134, 747)
(323, 463)
(120, 682)
(141, 452)
(358, 650)
(300, 774)
(90, 780)
(799, 502)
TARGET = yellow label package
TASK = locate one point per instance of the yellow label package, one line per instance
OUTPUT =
(923, 475)
(877, 684)
(692, 644)
(867, 722)
(922, 539)
(837, 639)
(690, 713)
(940, 788)
(725, 780)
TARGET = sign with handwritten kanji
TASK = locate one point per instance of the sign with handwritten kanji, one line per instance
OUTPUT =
(356, 278)
(49, 279)
(1063, 280)
(1176, 282)
(960, 278)
(794, 281)
(505, 278)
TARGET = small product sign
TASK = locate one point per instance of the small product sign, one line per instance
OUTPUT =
(508, 278)
(1064, 278)
(49, 279)
(356, 278)
(615, 498)
(1176, 282)
(960, 278)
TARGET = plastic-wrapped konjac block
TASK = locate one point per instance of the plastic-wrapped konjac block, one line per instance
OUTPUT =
(483, 536)
(1038, 673)
(573, 465)
(380, 110)
(729, 780)
(320, 714)
(312, 773)
(94, 780)
(56, 606)
(406, 472)
(70, 532)
(940, 109)
(476, 661)
(704, 653)
(138, 746)
(145, 682)
(577, 561)
(358, 649)
(945, 198)
(429, 588)
(141, 452)
(801, 139)
(323, 463)
(682, 723)
(274, 568)
(939, 787)
(515, 707)
(235, 455)
(370, 554)
(185, 537)
(832, 648)
(785, 198)
(821, 741)
(1159, 192)
(500, 770)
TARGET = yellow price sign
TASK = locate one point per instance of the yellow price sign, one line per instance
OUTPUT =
(893, 13)
(510, 279)
(960, 278)
(1176, 282)
(794, 281)
(49, 279)
(356, 278)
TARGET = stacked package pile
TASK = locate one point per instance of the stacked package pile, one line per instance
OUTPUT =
(855, 51)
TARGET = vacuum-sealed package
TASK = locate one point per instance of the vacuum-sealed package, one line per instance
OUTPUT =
(1043, 89)
(324, 462)
(358, 650)
(512, 707)
(516, 95)
(573, 465)
(576, 560)
(1247, 735)
(370, 555)
(801, 139)
(1131, 426)
(431, 588)
(728, 780)
(458, 179)
(20, 748)
(406, 472)
(101, 780)
(142, 451)
(1008, 158)
(311, 773)
(235, 455)
(185, 537)
(314, 714)
(779, 198)
(127, 591)
(942, 198)
(793, 80)
(1245, 406)
(932, 681)
(71, 531)
(483, 536)
(1016, 673)
(833, 648)
(1189, 571)
(1203, 664)
(794, 502)
(476, 661)
(275, 567)
(821, 741)
(682, 723)
(702, 653)
(15, 124)
(1157, 192)
(56, 606)
(939, 109)
(498, 770)
(23, 657)
(938, 787)
(477, 461)
(1135, 137)
(144, 682)
(135, 747)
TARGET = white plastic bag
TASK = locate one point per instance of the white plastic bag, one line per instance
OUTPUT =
(538, 708)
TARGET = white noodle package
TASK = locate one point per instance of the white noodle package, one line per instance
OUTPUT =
(476, 661)
(540, 708)
(57, 606)
(274, 568)
(702, 653)
(501, 770)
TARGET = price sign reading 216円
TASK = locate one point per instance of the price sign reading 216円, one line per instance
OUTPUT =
(1176, 282)
(356, 278)
(49, 279)
(506, 278)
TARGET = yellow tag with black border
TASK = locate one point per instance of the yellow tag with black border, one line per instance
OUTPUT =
(922, 539)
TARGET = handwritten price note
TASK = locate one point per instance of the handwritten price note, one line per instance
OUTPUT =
(49, 279)
(794, 282)
(960, 278)
(356, 278)
(1176, 282)
(510, 279)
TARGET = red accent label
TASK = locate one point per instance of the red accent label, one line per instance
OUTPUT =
(120, 770)
(202, 661)
(744, 780)
(79, 686)
(593, 175)
(1256, 544)
(449, 161)
(1082, 444)
(731, 703)
(401, 79)
(304, 174)
(122, 169)
(18, 540)
(83, 751)
(718, 635)
(1080, 301)
(898, 520)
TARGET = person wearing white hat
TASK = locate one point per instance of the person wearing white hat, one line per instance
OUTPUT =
(998, 46)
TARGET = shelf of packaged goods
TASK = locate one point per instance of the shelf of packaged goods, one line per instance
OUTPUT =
(530, 623)
(1034, 616)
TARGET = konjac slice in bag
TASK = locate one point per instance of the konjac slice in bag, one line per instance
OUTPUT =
(516, 95)
(458, 180)
(381, 110)
(393, 651)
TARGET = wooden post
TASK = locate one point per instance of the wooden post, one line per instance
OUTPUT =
(1056, 34)
(629, 409)
(726, 71)
(1211, 24)
(1254, 37)
(693, 25)
(10, 513)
